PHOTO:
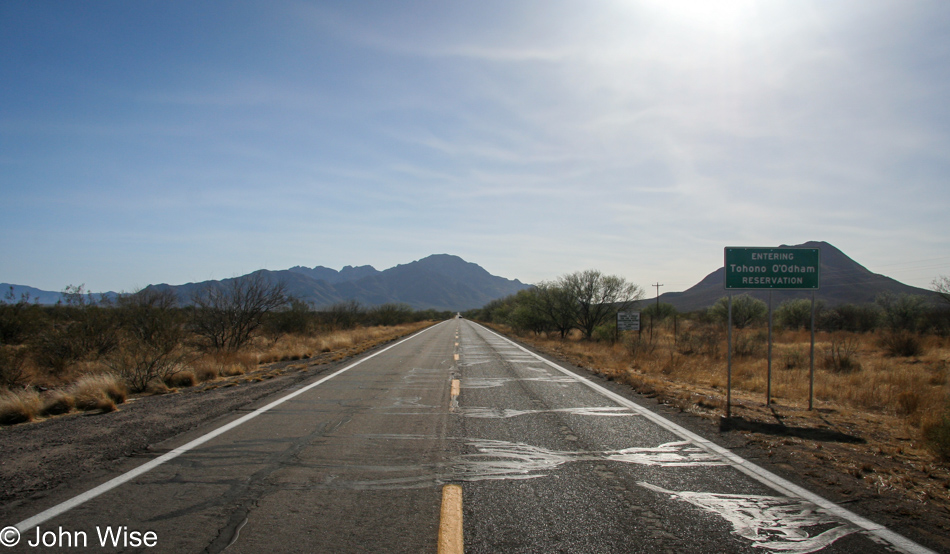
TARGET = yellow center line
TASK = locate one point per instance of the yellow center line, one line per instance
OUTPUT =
(450, 524)
(456, 357)
(456, 386)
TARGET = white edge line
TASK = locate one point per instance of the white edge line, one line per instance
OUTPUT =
(63, 507)
(760, 474)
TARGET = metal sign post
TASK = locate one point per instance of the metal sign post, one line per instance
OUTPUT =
(755, 268)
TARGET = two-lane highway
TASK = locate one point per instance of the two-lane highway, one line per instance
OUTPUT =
(547, 461)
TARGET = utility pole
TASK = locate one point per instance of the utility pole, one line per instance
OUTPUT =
(657, 285)
(657, 314)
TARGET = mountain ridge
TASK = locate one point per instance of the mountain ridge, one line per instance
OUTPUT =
(441, 282)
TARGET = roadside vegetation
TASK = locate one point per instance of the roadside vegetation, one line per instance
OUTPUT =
(88, 354)
(886, 363)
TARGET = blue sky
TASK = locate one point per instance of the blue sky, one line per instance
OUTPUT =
(160, 141)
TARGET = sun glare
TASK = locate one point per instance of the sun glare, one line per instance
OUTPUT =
(722, 16)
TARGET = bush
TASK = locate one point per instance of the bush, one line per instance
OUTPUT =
(937, 436)
(706, 341)
(100, 391)
(296, 319)
(746, 311)
(58, 402)
(12, 366)
(18, 407)
(748, 344)
(796, 314)
(227, 313)
(841, 355)
(856, 318)
(902, 344)
(904, 312)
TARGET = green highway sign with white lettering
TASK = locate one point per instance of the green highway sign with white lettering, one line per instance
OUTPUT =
(772, 268)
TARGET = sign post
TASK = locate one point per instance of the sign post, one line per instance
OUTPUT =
(754, 268)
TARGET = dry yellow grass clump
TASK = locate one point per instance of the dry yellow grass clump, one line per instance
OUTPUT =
(98, 391)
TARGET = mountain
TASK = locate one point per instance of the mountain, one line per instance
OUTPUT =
(14, 293)
(441, 282)
(332, 276)
(843, 281)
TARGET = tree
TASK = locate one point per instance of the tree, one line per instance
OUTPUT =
(599, 297)
(941, 285)
(151, 336)
(526, 313)
(796, 314)
(227, 313)
(659, 311)
(903, 312)
(557, 305)
(746, 310)
(342, 315)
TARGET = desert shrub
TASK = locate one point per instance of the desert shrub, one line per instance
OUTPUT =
(605, 333)
(342, 315)
(904, 312)
(902, 343)
(936, 434)
(841, 356)
(395, 314)
(18, 407)
(748, 344)
(12, 366)
(856, 318)
(706, 341)
(57, 402)
(794, 358)
(636, 345)
(150, 338)
(908, 402)
(181, 379)
(101, 391)
(297, 318)
(19, 319)
(226, 314)
(138, 363)
(746, 311)
(77, 331)
(796, 314)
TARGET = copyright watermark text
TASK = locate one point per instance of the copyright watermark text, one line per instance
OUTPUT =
(108, 536)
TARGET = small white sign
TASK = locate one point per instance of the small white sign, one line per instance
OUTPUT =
(628, 321)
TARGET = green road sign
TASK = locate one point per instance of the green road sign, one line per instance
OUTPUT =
(772, 268)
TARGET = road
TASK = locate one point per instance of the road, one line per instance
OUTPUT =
(358, 460)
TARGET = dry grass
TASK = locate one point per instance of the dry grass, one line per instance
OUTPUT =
(57, 402)
(100, 391)
(18, 407)
(297, 347)
(88, 385)
(910, 392)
